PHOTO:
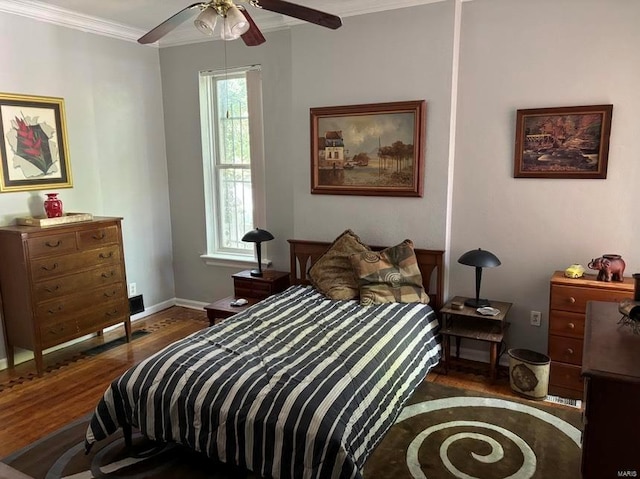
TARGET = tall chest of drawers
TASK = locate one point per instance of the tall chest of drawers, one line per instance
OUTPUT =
(567, 306)
(59, 283)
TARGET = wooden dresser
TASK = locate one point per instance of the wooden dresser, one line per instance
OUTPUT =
(567, 308)
(611, 371)
(59, 283)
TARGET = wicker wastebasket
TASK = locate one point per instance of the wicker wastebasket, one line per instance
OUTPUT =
(529, 373)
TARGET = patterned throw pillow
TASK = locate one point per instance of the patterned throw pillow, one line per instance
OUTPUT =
(332, 273)
(389, 276)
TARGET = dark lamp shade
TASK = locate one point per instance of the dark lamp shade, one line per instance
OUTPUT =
(257, 236)
(478, 258)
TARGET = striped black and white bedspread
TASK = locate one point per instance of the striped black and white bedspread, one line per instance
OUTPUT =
(297, 386)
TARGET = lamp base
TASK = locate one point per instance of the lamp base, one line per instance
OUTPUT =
(256, 272)
(477, 303)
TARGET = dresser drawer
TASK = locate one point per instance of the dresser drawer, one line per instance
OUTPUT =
(565, 350)
(568, 298)
(58, 309)
(106, 314)
(564, 323)
(45, 268)
(52, 244)
(64, 285)
(566, 376)
(98, 237)
(60, 283)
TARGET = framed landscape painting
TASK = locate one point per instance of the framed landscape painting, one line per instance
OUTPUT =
(33, 150)
(373, 149)
(569, 142)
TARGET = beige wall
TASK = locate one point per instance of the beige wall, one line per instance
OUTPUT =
(196, 281)
(513, 54)
(123, 99)
(521, 54)
(367, 61)
(113, 102)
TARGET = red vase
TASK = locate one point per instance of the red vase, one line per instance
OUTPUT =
(52, 205)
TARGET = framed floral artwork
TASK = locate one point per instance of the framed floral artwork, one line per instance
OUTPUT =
(33, 148)
(374, 149)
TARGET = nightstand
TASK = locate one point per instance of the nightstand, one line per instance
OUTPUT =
(468, 323)
(259, 287)
(222, 308)
(251, 288)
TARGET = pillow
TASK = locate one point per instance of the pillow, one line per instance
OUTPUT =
(332, 273)
(389, 276)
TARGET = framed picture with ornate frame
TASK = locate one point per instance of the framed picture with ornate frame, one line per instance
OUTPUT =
(33, 149)
(373, 149)
(565, 142)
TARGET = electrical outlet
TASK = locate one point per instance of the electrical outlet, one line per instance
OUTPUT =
(133, 290)
(535, 318)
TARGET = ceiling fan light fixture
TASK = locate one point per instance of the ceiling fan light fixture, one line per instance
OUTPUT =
(206, 21)
(235, 24)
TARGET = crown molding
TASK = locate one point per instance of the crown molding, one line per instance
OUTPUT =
(66, 18)
(362, 7)
(184, 35)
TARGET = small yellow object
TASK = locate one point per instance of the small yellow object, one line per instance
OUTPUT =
(574, 271)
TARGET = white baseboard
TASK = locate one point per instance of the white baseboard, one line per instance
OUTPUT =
(188, 303)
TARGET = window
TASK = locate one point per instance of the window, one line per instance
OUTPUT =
(233, 156)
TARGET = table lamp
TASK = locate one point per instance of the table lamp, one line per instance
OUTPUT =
(480, 259)
(257, 236)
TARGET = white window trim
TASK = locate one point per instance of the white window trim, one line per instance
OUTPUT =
(230, 260)
(216, 256)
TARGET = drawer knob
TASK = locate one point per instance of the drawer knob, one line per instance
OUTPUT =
(108, 275)
(569, 351)
(50, 268)
(53, 245)
(106, 255)
(52, 290)
(55, 310)
(572, 300)
(109, 294)
(99, 236)
(112, 313)
(571, 326)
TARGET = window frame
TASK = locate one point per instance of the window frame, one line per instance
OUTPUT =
(216, 254)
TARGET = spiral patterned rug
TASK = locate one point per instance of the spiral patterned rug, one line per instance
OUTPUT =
(442, 433)
(446, 432)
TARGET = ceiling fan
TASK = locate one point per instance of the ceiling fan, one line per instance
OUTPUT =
(236, 21)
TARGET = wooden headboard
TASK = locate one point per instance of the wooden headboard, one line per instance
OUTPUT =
(303, 254)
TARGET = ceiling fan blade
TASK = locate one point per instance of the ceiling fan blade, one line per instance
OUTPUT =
(252, 37)
(169, 24)
(303, 13)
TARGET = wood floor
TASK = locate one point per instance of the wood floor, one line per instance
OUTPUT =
(74, 381)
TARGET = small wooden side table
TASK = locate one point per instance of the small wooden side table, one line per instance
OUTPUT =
(468, 323)
(251, 288)
(222, 308)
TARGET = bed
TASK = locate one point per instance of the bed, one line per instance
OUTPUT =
(296, 386)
